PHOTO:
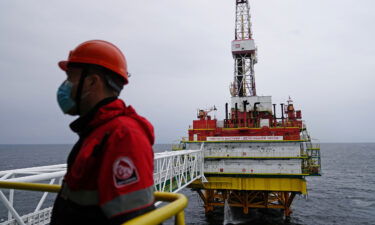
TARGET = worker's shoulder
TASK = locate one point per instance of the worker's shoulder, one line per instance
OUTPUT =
(128, 124)
(122, 122)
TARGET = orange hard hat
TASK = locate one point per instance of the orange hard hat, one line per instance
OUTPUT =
(98, 52)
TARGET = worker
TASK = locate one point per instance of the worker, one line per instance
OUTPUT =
(109, 177)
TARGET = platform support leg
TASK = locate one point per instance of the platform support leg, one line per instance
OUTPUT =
(288, 199)
(207, 197)
(247, 200)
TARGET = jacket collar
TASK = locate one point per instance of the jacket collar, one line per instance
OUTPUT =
(105, 111)
(84, 124)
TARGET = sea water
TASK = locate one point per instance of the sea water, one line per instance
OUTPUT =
(344, 194)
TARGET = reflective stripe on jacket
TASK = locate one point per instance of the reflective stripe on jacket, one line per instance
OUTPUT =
(111, 166)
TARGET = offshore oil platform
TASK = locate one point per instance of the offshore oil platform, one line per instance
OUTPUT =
(253, 158)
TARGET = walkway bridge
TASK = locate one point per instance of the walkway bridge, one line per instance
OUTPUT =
(174, 170)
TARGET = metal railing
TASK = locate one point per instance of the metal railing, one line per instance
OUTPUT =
(174, 170)
(312, 165)
(52, 174)
(178, 203)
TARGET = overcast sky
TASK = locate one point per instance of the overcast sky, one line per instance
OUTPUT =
(319, 52)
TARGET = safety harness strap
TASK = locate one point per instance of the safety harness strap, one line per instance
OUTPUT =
(79, 88)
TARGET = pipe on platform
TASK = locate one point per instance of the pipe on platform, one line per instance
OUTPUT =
(255, 106)
(236, 113)
(255, 113)
(282, 113)
(226, 111)
(245, 112)
(274, 113)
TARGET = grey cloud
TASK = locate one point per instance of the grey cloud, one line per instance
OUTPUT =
(319, 52)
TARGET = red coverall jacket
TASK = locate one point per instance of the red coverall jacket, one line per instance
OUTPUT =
(110, 169)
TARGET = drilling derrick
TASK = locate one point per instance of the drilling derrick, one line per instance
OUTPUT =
(244, 53)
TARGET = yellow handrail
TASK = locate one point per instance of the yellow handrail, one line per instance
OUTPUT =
(157, 216)
(176, 207)
(30, 186)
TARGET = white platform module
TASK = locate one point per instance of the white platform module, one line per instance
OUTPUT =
(265, 103)
(239, 166)
(287, 149)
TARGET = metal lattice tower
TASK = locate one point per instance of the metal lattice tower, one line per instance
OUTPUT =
(243, 24)
(244, 53)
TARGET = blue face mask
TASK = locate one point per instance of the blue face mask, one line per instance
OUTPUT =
(64, 98)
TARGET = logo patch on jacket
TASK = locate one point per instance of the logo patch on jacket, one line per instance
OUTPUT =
(124, 172)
